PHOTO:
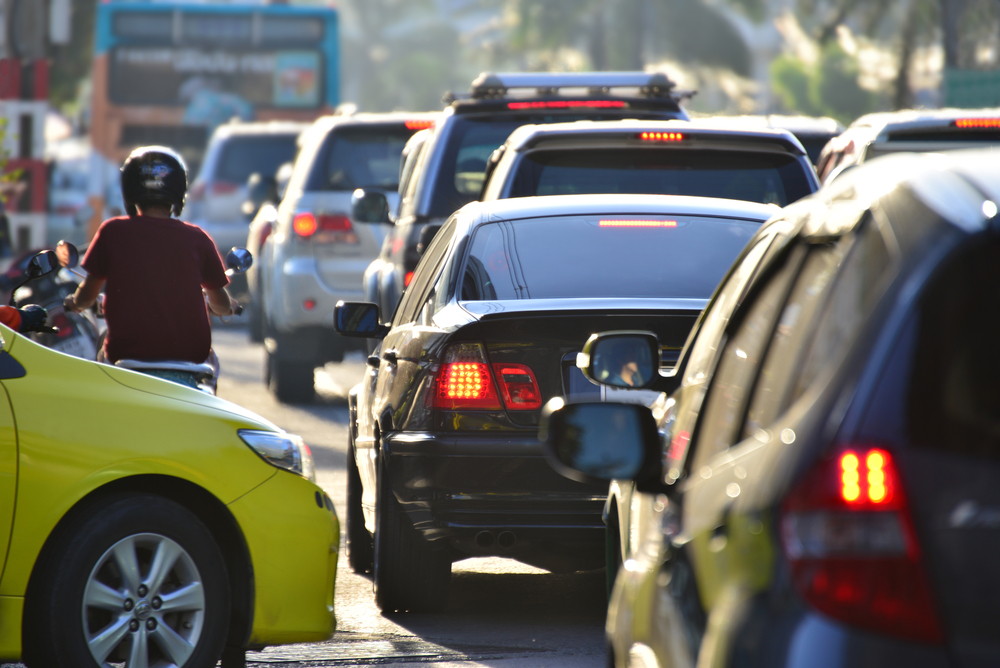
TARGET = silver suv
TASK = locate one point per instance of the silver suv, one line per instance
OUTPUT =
(317, 253)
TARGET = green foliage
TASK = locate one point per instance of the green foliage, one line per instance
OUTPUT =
(829, 88)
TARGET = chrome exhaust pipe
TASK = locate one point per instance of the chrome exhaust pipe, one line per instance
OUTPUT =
(484, 539)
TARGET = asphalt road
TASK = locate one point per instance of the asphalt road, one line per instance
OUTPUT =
(501, 613)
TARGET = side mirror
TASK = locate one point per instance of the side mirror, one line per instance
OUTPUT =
(43, 263)
(427, 234)
(69, 256)
(624, 358)
(358, 319)
(238, 260)
(595, 442)
(369, 206)
(261, 190)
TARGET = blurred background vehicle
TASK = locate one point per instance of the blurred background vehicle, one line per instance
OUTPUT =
(445, 459)
(235, 152)
(813, 132)
(814, 490)
(926, 130)
(452, 163)
(317, 252)
(650, 157)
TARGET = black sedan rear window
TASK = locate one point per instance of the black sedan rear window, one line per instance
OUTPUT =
(613, 255)
(753, 177)
(360, 157)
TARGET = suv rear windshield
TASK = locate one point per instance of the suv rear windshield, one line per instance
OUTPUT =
(243, 155)
(613, 255)
(754, 177)
(471, 141)
(360, 157)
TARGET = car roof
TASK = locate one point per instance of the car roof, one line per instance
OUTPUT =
(642, 205)
(797, 125)
(259, 128)
(912, 119)
(962, 187)
(529, 136)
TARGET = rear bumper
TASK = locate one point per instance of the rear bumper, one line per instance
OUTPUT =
(300, 281)
(495, 495)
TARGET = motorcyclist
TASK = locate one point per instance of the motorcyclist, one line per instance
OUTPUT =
(155, 270)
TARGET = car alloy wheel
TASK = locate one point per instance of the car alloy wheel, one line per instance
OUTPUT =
(144, 599)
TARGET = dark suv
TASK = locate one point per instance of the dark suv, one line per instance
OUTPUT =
(450, 167)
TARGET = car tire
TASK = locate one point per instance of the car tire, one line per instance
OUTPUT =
(410, 576)
(84, 610)
(291, 381)
(360, 546)
(255, 319)
(612, 552)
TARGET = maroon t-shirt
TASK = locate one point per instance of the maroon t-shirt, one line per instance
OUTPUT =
(155, 269)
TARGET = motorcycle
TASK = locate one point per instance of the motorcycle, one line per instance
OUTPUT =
(77, 334)
(202, 376)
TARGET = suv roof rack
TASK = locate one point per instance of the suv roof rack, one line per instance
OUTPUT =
(494, 85)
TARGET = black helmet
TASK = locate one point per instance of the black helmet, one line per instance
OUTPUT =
(154, 175)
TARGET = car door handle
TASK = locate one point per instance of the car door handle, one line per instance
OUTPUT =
(389, 356)
(373, 361)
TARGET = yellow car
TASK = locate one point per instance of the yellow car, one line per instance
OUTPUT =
(146, 523)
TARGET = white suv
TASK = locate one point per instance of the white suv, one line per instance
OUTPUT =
(317, 253)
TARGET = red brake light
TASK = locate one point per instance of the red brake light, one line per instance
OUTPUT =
(977, 123)
(418, 125)
(660, 136)
(407, 278)
(326, 228)
(224, 187)
(568, 104)
(637, 223)
(854, 555)
(464, 380)
(518, 387)
(62, 323)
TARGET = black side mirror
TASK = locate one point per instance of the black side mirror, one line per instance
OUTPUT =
(627, 359)
(261, 190)
(69, 256)
(595, 442)
(43, 263)
(369, 206)
(427, 234)
(238, 260)
(358, 319)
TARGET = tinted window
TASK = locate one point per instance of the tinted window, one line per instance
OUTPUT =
(424, 276)
(601, 256)
(730, 385)
(742, 175)
(954, 392)
(360, 157)
(242, 156)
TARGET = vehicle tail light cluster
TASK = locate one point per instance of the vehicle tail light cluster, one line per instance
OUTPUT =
(849, 537)
(466, 381)
(224, 187)
(407, 278)
(977, 123)
(327, 228)
(61, 322)
(418, 124)
(661, 136)
(637, 223)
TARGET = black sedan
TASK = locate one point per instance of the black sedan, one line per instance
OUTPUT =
(445, 461)
(822, 488)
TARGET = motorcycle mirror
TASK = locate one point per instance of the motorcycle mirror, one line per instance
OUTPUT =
(238, 260)
(68, 255)
(41, 264)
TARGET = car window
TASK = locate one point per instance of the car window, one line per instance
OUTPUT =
(679, 256)
(722, 415)
(702, 353)
(953, 397)
(791, 333)
(424, 275)
(244, 155)
(767, 178)
(360, 157)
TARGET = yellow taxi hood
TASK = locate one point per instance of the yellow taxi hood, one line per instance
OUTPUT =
(27, 352)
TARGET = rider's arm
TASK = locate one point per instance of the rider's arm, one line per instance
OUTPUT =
(219, 301)
(85, 295)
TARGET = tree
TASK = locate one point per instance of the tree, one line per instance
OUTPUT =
(71, 62)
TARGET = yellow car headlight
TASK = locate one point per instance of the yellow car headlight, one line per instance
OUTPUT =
(286, 451)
